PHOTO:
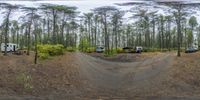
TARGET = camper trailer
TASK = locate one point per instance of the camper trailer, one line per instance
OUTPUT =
(11, 47)
(138, 49)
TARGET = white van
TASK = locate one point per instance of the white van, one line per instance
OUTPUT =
(11, 47)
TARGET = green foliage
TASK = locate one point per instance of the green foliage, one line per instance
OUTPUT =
(120, 50)
(25, 81)
(71, 49)
(43, 55)
(147, 50)
(193, 22)
(110, 53)
(44, 51)
(152, 49)
(155, 50)
(84, 44)
(190, 37)
(90, 50)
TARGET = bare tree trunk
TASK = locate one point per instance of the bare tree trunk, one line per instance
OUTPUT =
(17, 38)
(36, 50)
(54, 27)
(153, 37)
(6, 31)
(48, 29)
(29, 39)
(106, 35)
(179, 30)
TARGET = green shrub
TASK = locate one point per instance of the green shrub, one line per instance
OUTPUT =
(110, 53)
(150, 49)
(145, 50)
(43, 48)
(70, 49)
(84, 44)
(155, 50)
(91, 49)
(43, 55)
(120, 50)
(56, 50)
(165, 50)
(44, 51)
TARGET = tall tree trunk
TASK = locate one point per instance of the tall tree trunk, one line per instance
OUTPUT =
(106, 35)
(6, 31)
(169, 30)
(95, 37)
(153, 37)
(36, 49)
(29, 38)
(48, 29)
(54, 28)
(179, 30)
(62, 30)
(18, 38)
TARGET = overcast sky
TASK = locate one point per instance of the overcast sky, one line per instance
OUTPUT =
(85, 5)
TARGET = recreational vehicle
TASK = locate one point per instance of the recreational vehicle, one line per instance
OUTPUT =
(138, 49)
(11, 47)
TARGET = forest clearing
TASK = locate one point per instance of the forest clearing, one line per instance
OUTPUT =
(100, 50)
(80, 76)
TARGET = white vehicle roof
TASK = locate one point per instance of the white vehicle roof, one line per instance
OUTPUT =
(9, 44)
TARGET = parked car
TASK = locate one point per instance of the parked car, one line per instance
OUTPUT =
(196, 49)
(191, 49)
(99, 49)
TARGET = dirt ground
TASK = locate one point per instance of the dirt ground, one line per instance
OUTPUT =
(124, 57)
(78, 76)
(53, 77)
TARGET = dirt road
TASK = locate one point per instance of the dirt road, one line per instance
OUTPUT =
(119, 78)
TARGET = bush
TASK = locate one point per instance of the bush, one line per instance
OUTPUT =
(84, 44)
(56, 50)
(165, 50)
(43, 55)
(150, 50)
(110, 53)
(44, 51)
(91, 49)
(120, 50)
(155, 50)
(71, 49)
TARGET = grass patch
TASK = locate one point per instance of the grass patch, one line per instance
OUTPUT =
(110, 53)
(24, 80)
